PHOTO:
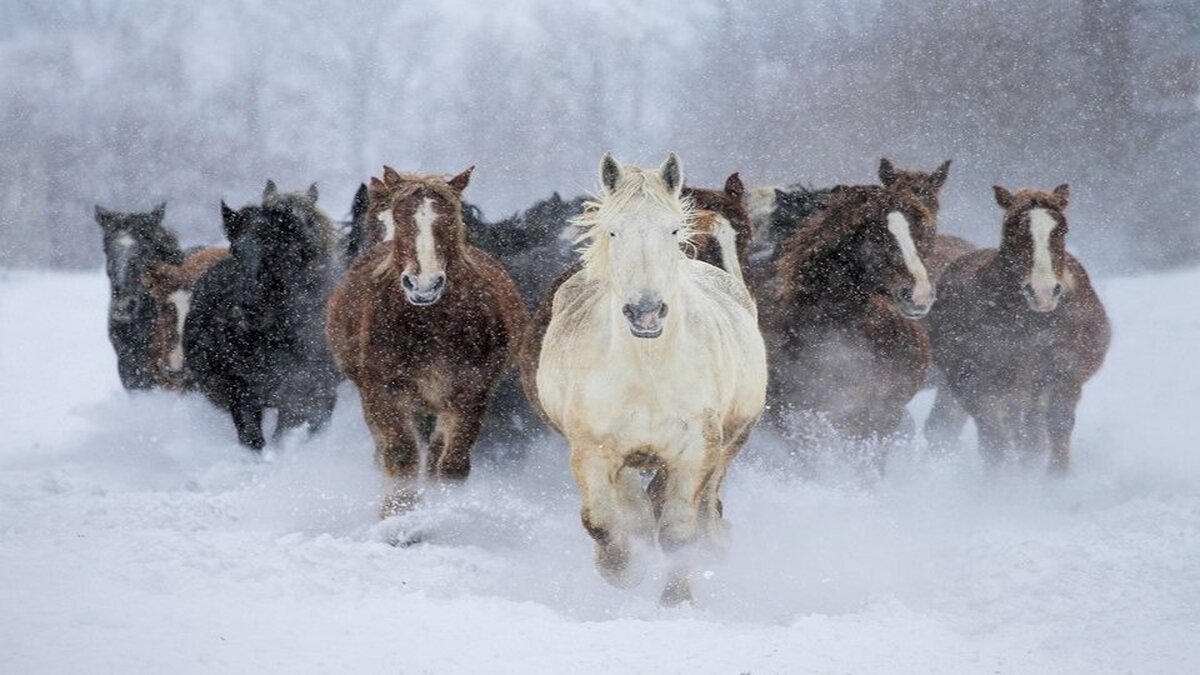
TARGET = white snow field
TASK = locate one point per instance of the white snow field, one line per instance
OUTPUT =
(137, 536)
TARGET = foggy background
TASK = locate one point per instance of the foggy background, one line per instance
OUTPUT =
(130, 102)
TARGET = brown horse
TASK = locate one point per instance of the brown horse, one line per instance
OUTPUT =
(843, 311)
(171, 290)
(425, 326)
(1019, 329)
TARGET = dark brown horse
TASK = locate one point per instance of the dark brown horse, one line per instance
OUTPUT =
(425, 326)
(843, 310)
(171, 289)
(1018, 330)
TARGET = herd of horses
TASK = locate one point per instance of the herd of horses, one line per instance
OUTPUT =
(666, 321)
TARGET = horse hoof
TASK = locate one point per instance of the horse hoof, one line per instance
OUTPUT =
(677, 592)
(616, 565)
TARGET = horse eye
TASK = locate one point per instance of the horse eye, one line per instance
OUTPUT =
(612, 234)
(674, 232)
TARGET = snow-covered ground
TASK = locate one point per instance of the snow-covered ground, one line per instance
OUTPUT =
(136, 536)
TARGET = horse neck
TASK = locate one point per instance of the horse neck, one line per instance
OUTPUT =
(830, 289)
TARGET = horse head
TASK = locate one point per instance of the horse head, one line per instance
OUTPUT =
(635, 229)
(424, 215)
(1033, 243)
(134, 243)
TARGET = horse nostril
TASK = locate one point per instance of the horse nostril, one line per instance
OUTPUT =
(407, 282)
(905, 294)
(1027, 289)
(1058, 289)
(437, 284)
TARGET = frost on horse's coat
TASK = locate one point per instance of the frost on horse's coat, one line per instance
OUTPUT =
(650, 361)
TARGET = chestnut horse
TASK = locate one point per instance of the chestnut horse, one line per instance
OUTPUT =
(651, 361)
(171, 289)
(844, 310)
(1019, 329)
(925, 185)
(425, 326)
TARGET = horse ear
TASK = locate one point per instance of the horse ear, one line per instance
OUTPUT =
(460, 182)
(231, 222)
(1003, 197)
(312, 192)
(158, 212)
(102, 215)
(610, 172)
(358, 208)
(939, 175)
(391, 177)
(733, 186)
(1063, 194)
(270, 190)
(887, 172)
(671, 174)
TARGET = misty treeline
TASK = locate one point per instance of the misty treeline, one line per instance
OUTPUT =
(131, 102)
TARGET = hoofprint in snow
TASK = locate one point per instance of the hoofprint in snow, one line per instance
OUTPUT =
(137, 536)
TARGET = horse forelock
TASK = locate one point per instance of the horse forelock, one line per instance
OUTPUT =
(605, 210)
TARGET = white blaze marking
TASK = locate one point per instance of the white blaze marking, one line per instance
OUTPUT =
(922, 293)
(389, 224)
(426, 250)
(124, 243)
(183, 301)
(1042, 278)
(727, 241)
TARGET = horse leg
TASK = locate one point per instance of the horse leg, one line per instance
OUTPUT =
(247, 419)
(687, 483)
(389, 416)
(945, 422)
(1031, 434)
(601, 514)
(453, 437)
(995, 430)
(1060, 423)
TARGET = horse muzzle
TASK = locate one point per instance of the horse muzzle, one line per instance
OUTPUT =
(1042, 300)
(646, 317)
(423, 295)
(914, 305)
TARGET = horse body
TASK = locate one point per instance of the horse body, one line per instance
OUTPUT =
(650, 361)
(1016, 354)
(255, 337)
(134, 243)
(849, 288)
(415, 356)
(171, 288)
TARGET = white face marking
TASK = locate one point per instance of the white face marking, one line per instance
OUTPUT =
(183, 301)
(922, 292)
(727, 240)
(1042, 277)
(389, 224)
(642, 250)
(123, 244)
(427, 258)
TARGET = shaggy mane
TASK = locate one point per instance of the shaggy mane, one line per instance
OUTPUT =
(603, 210)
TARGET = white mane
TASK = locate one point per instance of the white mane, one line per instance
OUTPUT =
(604, 212)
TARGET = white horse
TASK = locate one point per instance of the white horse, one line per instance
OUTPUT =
(654, 362)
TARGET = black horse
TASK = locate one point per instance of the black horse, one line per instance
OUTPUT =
(134, 243)
(255, 337)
